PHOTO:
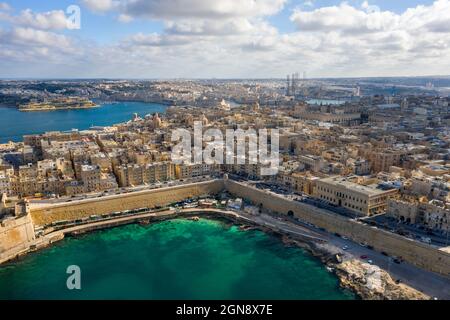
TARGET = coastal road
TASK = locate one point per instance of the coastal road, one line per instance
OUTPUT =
(427, 282)
(287, 227)
(36, 203)
(430, 283)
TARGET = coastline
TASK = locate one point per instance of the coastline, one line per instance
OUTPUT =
(57, 109)
(365, 280)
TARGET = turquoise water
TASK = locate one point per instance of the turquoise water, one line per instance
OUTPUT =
(14, 123)
(178, 259)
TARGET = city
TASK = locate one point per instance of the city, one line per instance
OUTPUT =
(361, 185)
(381, 160)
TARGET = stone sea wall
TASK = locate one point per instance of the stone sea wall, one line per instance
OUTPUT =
(419, 254)
(108, 204)
(16, 234)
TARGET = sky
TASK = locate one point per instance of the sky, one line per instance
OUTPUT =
(223, 38)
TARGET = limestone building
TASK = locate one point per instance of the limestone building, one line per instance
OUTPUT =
(364, 200)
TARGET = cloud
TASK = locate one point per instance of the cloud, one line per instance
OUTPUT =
(217, 9)
(169, 9)
(415, 41)
(51, 20)
(4, 6)
(155, 40)
(235, 39)
(32, 37)
(101, 5)
(343, 18)
(225, 27)
(124, 18)
(309, 3)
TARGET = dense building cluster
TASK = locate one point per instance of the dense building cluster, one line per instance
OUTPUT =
(376, 155)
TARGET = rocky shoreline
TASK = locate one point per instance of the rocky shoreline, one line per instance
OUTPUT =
(368, 281)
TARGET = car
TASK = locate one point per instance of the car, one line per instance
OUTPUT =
(363, 257)
(397, 261)
(369, 261)
(345, 248)
(384, 254)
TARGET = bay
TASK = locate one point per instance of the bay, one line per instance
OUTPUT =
(14, 123)
(174, 259)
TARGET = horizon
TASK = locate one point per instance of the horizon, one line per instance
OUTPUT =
(217, 78)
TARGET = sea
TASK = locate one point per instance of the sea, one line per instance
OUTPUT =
(14, 123)
(173, 259)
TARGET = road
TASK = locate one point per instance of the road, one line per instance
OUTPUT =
(389, 223)
(427, 282)
(113, 193)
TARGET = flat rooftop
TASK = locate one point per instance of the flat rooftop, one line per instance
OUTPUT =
(369, 190)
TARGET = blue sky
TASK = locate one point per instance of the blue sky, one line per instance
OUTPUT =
(229, 38)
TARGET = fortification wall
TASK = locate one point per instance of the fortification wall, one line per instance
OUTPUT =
(108, 204)
(15, 235)
(417, 253)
